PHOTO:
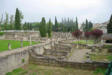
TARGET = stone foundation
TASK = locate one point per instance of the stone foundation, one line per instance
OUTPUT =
(50, 61)
(39, 54)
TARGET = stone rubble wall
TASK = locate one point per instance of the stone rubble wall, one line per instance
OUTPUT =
(21, 35)
(10, 60)
(51, 61)
(54, 61)
(13, 59)
(34, 35)
(63, 35)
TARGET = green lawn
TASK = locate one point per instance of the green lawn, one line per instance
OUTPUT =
(32, 69)
(14, 44)
(84, 42)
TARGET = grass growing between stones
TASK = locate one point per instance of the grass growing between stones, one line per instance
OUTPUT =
(14, 44)
(32, 69)
(99, 71)
(84, 42)
(101, 57)
(18, 71)
(107, 46)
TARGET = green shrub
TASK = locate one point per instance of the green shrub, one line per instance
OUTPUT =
(9, 73)
(23, 60)
(99, 71)
(18, 71)
(109, 57)
(1, 33)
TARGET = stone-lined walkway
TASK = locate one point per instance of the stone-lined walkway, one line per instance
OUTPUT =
(79, 55)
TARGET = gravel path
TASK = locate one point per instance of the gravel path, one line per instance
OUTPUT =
(79, 55)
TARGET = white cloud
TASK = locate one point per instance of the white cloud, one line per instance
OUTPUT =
(33, 10)
(60, 4)
(77, 4)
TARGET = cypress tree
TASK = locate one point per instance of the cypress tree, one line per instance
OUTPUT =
(76, 24)
(17, 20)
(50, 28)
(86, 26)
(56, 24)
(90, 26)
(6, 21)
(42, 28)
(63, 28)
(109, 26)
(1, 21)
(11, 22)
(25, 27)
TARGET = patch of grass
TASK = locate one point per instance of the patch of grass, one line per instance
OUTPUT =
(101, 57)
(18, 71)
(34, 73)
(109, 57)
(33, 69)
(107, 46)
(1, 33)
(14, 44)
(84, 42)
(23, 60)
(99, 71)
(48, 70)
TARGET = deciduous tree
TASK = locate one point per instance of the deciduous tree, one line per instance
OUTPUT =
(87, 35)
(97, 33)
(77, 35)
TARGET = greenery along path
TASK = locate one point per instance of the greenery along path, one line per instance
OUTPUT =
(14, 44)
(101, 57)
(84, 42)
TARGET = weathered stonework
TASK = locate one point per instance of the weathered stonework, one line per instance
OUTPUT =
(13, 59)
(48, 53)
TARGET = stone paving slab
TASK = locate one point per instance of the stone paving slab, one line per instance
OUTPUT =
(79, 55)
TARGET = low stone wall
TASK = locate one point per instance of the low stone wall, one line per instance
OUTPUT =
(35, 35)
(13, 59)
(77, 65)
(21, 35)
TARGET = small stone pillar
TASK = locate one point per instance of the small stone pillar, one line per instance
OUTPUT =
(21, 43)
(15, 36)
(30, 40)
(9, 46)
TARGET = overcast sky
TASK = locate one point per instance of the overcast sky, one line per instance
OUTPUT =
(33, 10)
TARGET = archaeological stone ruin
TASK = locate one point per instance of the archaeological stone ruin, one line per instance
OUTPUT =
(52, 52)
